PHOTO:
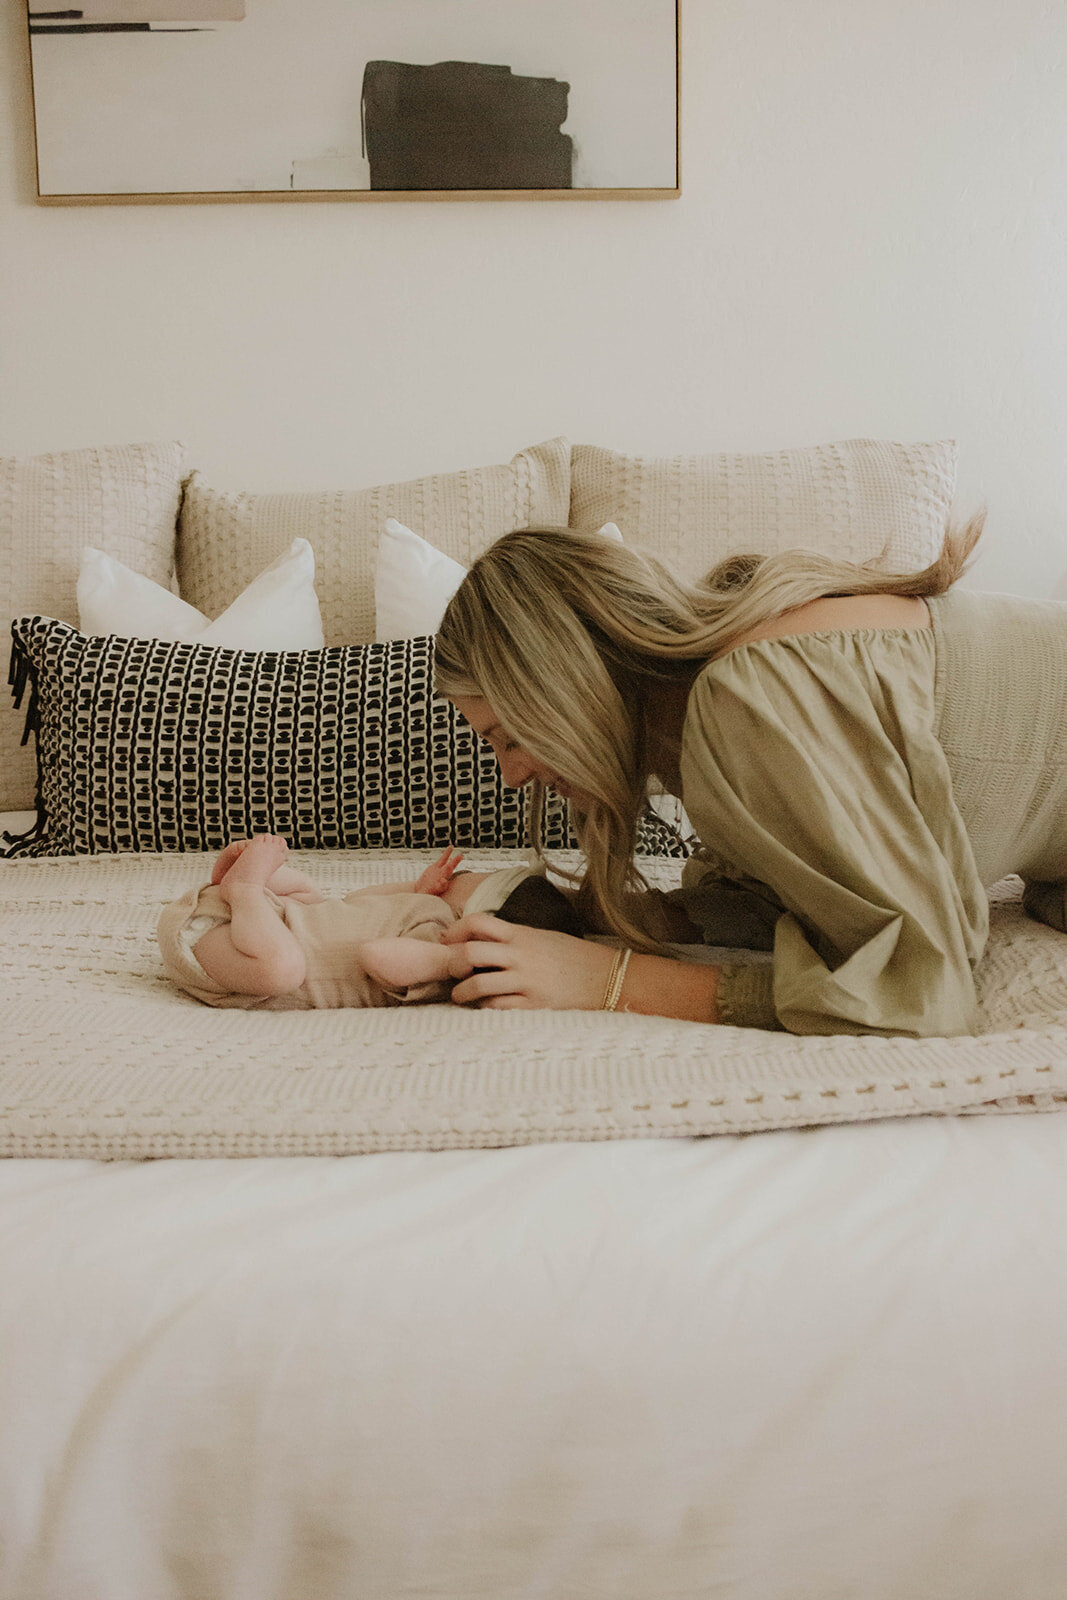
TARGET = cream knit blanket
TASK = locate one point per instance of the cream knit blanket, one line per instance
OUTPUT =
(101, 1057)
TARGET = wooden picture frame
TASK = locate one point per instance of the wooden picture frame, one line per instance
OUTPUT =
(207, 101)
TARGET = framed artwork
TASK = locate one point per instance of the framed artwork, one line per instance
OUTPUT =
(168, 100)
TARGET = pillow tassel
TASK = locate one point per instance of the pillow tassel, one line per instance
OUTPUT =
(20, 672)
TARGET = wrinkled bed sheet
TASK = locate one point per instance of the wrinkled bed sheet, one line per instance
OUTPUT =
(814, 1365)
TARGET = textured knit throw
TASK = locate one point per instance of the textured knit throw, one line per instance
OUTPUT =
(101, 1057)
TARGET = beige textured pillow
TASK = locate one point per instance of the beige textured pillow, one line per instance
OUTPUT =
(124, 500)
(861, 499)
(226, 538)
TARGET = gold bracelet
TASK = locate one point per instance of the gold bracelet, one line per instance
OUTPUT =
(616, 979)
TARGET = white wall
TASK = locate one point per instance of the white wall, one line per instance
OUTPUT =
(872, 240)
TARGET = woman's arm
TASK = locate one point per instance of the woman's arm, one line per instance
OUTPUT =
(530, 968)
(657, 986)
(836, 796)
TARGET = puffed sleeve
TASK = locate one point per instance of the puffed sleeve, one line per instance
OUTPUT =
(811, 765)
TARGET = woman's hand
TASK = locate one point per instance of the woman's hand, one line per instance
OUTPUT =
(528, 968)
(534, 970)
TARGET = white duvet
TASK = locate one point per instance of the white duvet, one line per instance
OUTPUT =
(803, 1365)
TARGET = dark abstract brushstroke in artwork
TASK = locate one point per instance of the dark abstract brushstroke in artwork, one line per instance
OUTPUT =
(110, 27)
(462, 125)
(93, 27)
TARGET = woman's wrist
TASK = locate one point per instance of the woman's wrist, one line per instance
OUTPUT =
(656, 986)
(616, 980)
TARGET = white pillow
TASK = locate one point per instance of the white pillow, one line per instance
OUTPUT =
(413, 582)
(279, 610)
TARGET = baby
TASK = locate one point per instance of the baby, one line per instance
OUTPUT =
(259, 935)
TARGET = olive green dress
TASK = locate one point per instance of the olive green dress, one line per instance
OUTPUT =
(855, 792)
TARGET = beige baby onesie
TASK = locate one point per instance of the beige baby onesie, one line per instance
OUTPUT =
(329, 934)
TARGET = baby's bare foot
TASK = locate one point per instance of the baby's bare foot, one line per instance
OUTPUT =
(226, 860)
(259, 860)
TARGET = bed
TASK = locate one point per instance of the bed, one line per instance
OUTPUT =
(456, 1304)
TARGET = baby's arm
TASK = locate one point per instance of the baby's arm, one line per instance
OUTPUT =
(401, 963)
(254, 953)
(435, 880)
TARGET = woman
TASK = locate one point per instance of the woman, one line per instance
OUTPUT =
(860, 755)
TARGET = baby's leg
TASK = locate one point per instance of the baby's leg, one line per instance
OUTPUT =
(287, 881)
(262, 861)
(251, 860)
(254, 953)
(257, 965)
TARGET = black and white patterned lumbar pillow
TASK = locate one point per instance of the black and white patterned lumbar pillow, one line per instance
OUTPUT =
(146, 745)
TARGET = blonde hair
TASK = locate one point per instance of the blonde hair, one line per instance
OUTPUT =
(567, 635)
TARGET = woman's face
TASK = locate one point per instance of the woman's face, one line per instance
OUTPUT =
(517, 766)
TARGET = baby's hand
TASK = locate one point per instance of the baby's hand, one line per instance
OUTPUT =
(436, 878)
